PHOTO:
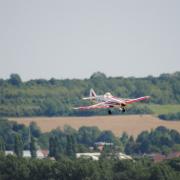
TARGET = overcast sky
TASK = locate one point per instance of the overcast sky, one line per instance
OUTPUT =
(74, 38)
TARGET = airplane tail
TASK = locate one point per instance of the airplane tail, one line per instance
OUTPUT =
(92, 95)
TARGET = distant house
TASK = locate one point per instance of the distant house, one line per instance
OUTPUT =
(26, 154)
(45, 152)
(173, 155)
(9, 153)
(94, 156)
(100, 145)
(124, 156)
(157, 157)
(41, 154)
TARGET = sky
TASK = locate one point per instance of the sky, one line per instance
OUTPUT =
(75, 38)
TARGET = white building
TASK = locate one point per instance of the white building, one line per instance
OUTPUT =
(9, 153)
(39, 154)
(124, 156)
(27, 154)
(95, 156)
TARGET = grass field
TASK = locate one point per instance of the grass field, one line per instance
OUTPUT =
(164, 109)
(132, 124)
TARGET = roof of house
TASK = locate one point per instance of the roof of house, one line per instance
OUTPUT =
(45, 152)
(39, 154)
(158, 157)
(173, 155)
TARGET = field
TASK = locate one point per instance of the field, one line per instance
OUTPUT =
(164, 109)
(132, 124)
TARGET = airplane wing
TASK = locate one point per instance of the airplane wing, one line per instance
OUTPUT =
(95, 106)
(130, 101)
(112, 102)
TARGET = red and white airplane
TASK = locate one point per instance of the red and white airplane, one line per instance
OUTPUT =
(109, 101)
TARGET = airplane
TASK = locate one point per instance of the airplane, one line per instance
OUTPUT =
(108, 101)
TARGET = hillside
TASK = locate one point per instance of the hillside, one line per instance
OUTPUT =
(57, 97)
(132, 124)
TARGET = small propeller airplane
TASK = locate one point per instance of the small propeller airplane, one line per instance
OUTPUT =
(108, 101)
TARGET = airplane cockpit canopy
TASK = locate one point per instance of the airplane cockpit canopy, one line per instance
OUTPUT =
(108, 94)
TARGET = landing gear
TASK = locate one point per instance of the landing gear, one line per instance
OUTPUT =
(123, 110)
(109, 112)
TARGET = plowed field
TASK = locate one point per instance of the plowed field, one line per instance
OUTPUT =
(132, 124)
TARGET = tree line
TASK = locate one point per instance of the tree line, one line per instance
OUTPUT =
(55, 97)
(170, 116)
(63, 144)
(12, 167)
(69, 141)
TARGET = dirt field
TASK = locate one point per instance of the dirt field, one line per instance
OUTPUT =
(132, 124)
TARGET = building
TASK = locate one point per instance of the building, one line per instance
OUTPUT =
(173, 155)
(45, 152)
(100, 145)
(41, 154)
(96, 155)
(124, 156)
(9, 153)
(26, 154)
(157, 157)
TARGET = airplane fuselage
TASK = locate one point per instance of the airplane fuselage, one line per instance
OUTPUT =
(112, 101)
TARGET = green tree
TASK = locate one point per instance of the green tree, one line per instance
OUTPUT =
(15, 79)
(51, 154)
(52, 147)
(18, 146)
(88, 135)
(143, 141)
(55, 147)
(50, 107)
(34, 130)
(2, 145)
(70, 147)
(162, 172)
(33, 148)
(106, 136)
(130, 147)
(124, 138)
(98, 75)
